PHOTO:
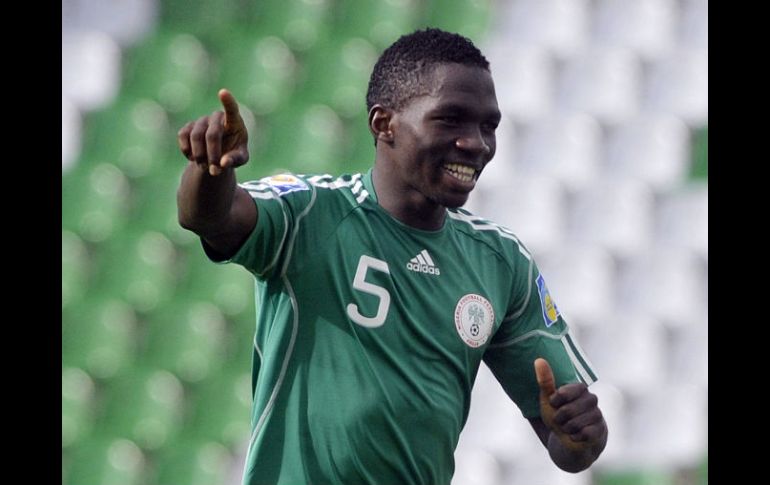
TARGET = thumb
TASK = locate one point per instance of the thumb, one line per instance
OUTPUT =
(545, 379)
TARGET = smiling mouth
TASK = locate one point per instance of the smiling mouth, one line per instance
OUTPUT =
(463, 173)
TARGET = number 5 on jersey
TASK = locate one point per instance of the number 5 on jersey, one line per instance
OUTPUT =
(364, 264)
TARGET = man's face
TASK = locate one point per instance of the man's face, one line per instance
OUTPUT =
(443, 140)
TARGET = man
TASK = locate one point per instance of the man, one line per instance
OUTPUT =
(379, 296)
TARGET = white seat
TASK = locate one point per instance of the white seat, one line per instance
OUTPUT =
(561, 26)
(581, 280)
(603, 82)
(688, 361)
(615, 214)
(91, 69)
(679, 84)
(567, 148)
(612, 403)
(694, 24)
(645, 26)
(126, 21)
(682, 219)
(524, 79)
(70, 134)
(664, 283)
(668, 427)
(627, 351)
(538, 469)
(652, 148)
(533, 207)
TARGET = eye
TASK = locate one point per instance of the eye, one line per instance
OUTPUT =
(449, 119)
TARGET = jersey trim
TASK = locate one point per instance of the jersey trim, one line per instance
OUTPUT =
(519, 312)
(579, 359)
(530, 334)
(481, 224)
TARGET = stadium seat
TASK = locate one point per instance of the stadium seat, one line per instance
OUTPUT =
(475, 466)
(208, 20)
(694, 24)
(70, 134)
(261, 72)
(700, 155)
(538, 469)
(561, 26)
(647, 27)
(221, 409)
(665, 283)
(379, 22)
(635, 476)
(532, 206)
(682, 218)
(145, 406)
(614, 408)
(230, 287)
(615, 214)
(107, 460)
(678, 84)
(126, 21)
(75, 268)
(187, 339)
(466, 17)
(603, 82)
(688, 360)
(301, 24)
(651, 148)
(567, 148)
(338, 75)
(91, 63)
(524, 79)
(194, 463)
(95, 201)
(99, 335)
(77, 402)
(628, 351)
(581, 279)
(133, 134)
(171, 68)
(140, 268)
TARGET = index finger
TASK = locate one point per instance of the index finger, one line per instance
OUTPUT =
(230, 104)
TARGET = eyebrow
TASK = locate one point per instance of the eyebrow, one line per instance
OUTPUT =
(465, 110)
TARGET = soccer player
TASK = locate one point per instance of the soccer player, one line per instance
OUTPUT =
(378, 296)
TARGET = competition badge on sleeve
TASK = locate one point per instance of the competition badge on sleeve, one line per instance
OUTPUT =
(285, 183)
(550, 312)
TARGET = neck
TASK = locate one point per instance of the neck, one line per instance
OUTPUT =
(405, 204)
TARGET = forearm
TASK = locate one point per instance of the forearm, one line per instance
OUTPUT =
(204, 202)
(574, 460)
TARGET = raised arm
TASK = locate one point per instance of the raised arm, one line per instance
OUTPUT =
(209, 202)
(571, 425)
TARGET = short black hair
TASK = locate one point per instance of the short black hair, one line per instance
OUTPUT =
(401, 71)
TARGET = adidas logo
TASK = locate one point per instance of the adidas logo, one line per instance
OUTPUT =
(422, 263)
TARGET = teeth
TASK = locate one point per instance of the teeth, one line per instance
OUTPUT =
(461, 172)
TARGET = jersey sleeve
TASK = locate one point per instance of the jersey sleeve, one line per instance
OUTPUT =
(281, 200)
(533, 327)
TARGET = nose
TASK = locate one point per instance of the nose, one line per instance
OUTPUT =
(473, 143)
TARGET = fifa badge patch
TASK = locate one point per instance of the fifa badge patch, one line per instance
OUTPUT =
(474, 318)
(550, 312)
(285, 183)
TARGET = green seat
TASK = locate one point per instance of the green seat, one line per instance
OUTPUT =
(133, 134)
(145, 406)
(75, 268)
(140, 268)
(302, 24)
(338, 75)
(202, 18)
(470, 18)
(229, 286)
(700, 155)
(379, 21)
(77, 404)
(106, 461)
(187, 338)
(99, 336)
(359, 153)
(95, 201)
(193, 463)
(170, 67)
(635, 477)
(260, 72)
(221, 409)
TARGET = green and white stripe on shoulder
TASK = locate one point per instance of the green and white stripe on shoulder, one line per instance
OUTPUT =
(354, 182)
(481, 224)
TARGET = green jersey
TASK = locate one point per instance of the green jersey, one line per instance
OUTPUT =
(370, 334)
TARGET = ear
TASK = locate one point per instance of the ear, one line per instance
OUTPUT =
(381, 123)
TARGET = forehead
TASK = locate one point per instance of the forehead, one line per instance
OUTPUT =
(457, 84)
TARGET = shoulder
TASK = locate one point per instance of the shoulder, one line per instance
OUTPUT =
(496, 237)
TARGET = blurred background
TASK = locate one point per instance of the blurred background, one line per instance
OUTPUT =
(601, 169)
